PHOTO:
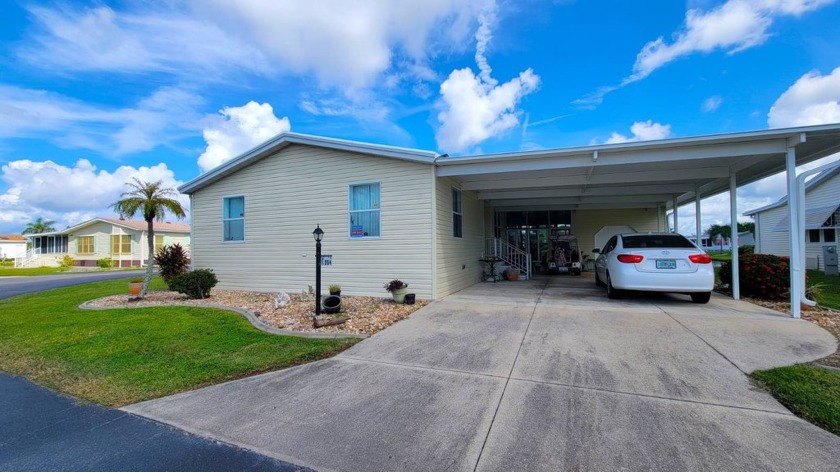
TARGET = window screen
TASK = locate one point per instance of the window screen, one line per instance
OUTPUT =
(364, 211)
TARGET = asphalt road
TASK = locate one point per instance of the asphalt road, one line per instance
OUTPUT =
(11, 286)
(41, 430)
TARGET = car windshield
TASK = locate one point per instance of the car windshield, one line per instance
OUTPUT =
(656, 241)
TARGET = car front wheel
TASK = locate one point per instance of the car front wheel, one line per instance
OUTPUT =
(702, 297)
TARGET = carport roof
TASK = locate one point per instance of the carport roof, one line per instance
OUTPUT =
(644, 174)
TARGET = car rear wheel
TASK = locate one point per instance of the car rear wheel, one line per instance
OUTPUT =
(612, 292)
(702, 297)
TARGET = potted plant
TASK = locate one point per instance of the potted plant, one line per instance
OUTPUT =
(398, 289)
(335, 289)
(134, 286)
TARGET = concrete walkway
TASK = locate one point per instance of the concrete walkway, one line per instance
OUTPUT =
(538, 375)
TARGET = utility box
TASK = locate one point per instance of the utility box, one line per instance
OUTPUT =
(830, 260)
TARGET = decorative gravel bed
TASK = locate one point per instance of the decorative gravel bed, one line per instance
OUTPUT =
(824, 317)
(368, 315)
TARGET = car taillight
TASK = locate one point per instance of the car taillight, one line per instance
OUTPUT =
(700, 258)
(630, 258)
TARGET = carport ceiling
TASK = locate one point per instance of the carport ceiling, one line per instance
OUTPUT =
(644, 175)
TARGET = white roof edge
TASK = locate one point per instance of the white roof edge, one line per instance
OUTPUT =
(776, 133)
(94, 220)
(259, 151)
(809, 185)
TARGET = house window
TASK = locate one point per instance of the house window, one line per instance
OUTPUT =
(364, 210)
(121, 244)
(829, 235)
(159, 242)
(84, 245)
(233, 219)
(813, 235)
(457, 214)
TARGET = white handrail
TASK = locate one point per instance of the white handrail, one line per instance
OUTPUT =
(510, 254)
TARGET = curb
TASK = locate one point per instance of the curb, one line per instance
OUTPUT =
(250, 316)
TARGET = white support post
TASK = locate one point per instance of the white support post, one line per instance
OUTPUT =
(795, 233)
(733, 233)
(659, 218)
(676, 221)
(697, 220)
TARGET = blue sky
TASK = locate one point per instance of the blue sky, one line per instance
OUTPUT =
(93, 93)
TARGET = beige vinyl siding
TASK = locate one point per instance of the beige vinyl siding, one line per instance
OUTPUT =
(101, 233)
(457, 258)
(585, 223)
(287, 194)
(776, 242)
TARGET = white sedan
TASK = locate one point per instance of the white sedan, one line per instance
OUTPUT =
(655, 262)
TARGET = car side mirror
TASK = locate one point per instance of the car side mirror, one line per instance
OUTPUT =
(596, 251)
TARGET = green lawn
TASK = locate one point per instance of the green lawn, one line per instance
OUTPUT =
(721, 256)
(8, 271)
(830, 293)
(811, 392)
(117, 357)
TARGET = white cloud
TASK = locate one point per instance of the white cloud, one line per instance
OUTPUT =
(641, 131)
(238, 129)
(814, 99)
(712, 103)
(102, 39)
(476, 107)
(160, 118)
(68, 195)
(734, 26)
(350, 43)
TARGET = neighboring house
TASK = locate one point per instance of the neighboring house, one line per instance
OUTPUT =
(12, 246)
(746, 238)
(822, 218)
(123, 241)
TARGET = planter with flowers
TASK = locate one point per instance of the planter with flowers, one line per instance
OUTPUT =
(398, 289)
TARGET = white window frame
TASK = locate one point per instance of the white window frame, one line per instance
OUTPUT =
(458, 213)
(349, 211)
(237, 241)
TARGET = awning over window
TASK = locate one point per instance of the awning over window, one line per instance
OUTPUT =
(815, 218)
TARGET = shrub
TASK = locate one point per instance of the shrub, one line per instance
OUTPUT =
(395, 284)
(172, 261)
(762, 275)
(335, 288)
(66, 262)
(105, 263)
(195, 284)
(746, 249)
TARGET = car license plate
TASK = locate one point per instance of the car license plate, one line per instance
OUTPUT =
(666, 264)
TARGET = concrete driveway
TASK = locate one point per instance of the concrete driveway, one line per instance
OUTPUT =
(538, 375)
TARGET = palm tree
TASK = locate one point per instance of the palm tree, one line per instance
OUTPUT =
(40, 225)
(719, 232)
(151, 200)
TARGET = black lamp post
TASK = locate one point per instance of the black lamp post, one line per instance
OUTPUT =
(318, 234)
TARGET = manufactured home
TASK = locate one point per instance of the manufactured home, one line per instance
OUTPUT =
(430, 219)
(120, 240)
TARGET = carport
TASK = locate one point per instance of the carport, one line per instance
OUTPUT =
(653, 175)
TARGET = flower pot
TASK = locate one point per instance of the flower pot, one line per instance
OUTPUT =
(337, 293)
(409, 298)
(134, 288)
(399, 294)
(513, 275)
(331, 304)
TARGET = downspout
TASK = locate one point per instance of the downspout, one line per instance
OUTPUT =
(433, 279)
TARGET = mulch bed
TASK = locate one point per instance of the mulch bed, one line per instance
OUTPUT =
(367, 315)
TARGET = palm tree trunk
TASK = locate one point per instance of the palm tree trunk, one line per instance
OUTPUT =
(150, 239)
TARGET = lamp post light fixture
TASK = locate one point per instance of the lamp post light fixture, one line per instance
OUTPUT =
(318, 234)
